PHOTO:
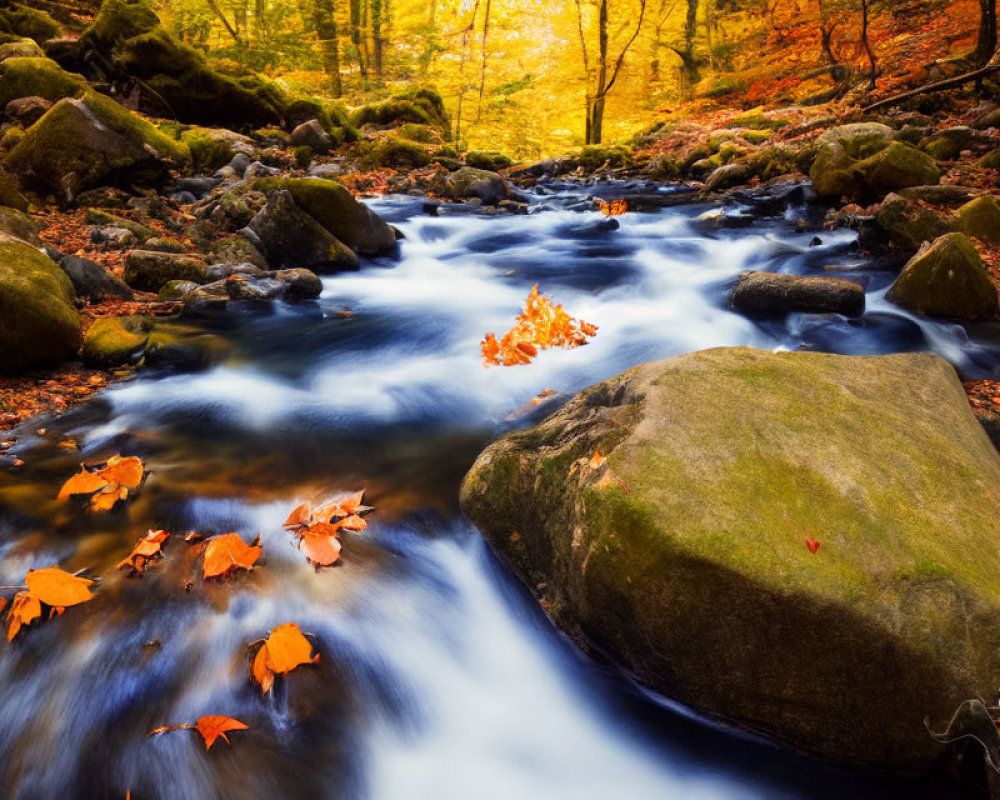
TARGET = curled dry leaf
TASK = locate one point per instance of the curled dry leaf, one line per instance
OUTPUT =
(24, 609)
(107, 485)
(542, 324)
(211, 728)
(149, 547)
(320, 547)
(228, 553)
(284, 649)
(318, 526)
(58, 588)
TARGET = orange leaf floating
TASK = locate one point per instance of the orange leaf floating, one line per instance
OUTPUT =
(58, 588)
(613, 209)
(228, 553)
(317, 527)
(539, 326)
(319, 544)
(107, 485)
(284, 650)
(210, 728)
(148, 548)
(24, 610)
(3, 603)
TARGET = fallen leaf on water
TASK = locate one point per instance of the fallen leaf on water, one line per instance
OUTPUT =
(228, 553)
(284, 649)
(319, 544)
(613, 209)
(24, 609)
(812, 544)
(127, 472)
(3, 603)
(58, 588)
(318, 526)
(107, 485)
(210, 728)
(149, 547)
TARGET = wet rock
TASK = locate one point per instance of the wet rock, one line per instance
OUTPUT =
(114, 341)
(698, 579)
(40, 325)
(177, 290)
(148, 271)
(26, 111)
(728, 176)
(289, 237)
(947, 144)
(946, 279)
(213, 300)
(311, 134)
(237, 250)
(327, 171)
(113, 238)
(300, 284)
(197, 187)
(80, 144)
(909, 224)
(92, 281)
(767, 294)
(182, 348)
(240, 164)
(468, 182)
(980, 219)
(944, 195)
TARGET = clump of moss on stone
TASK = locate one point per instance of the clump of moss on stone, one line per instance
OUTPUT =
(114, 341)
(420, 106)
(397, 153)
(596, 156)
(488, 159)
(33, 23)
(37, 77)
(208, 151)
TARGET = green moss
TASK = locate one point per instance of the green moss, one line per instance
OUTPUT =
(397, 153)
(419, 106)
(22, 48)
(119, 20)
(209, 151)
(335, 117)
(30, 22)
(758, 122)
(37, 77)
(19, 225)
(424, 134)
(756, 137)
(113, 341)
(980, 219)
(595, 156)
(10, 192)
(303, 156)
(488, 159)
(991, 160)
(140, 231)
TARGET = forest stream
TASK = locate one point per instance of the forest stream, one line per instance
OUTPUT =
(438, 677)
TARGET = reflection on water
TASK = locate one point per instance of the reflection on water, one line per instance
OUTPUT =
(439, 678)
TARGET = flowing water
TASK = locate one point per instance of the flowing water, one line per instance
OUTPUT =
(438, 677)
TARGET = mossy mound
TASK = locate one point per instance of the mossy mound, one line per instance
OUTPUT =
(946, 279)
(909, 224)
(598, 156)
(980, 219)
(236, 250)
(10, 192)
(990, 160)
(424, 134)
(420, 106)
(113, 341)
(18, 225)
(81, 143)
(210, 148)
(137, 229)
(149, 270)
(32, 23)
(684, 555)
(490, 160)
(37, 77)
(396, 153)
(23, 48)
(40, 326)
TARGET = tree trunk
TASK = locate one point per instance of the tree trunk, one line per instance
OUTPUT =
(987, 43)
(225, 22)
(356, 41)
(325, 16)
(377, 39)
(597, 104)
(482, 77)
(873, 66)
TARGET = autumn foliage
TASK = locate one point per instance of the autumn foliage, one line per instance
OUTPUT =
(107, 484)
(51, 587)
(227, 554)
(541, 325)
(318, 527)
(284, 649)
(148, 548)
(211, 728)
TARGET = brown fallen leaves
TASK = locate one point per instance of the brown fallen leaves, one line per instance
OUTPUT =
(106, 485)
(284, 649)
(50, 586)
(613, 209)
(319, 526)
(148, 548)
(210, 727)
(541, 325)
(227, 554)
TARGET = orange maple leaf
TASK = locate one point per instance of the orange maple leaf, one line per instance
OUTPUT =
(284, 649)
(211, 728)
(148, 548)
(228, 553)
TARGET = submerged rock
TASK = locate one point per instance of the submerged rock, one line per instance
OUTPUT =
(946, 279)
(40, 325)
(684, 556)
(766, 294)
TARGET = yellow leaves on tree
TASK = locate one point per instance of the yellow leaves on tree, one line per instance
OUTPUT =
(541, 325)
(50, 586)
(613, 209)
(108, 484)
(318, 527)
(228, 553)
(148, 548)
(284, 649)
(210, 727)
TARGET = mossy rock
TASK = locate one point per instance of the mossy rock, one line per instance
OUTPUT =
(728, 176)
(12, 137)
(423, 134)
(990, 160)
(490, 160)
(10, 192)
(756, 137)
(18, 225)
(176, 290)
(720, 86)
(183, 348)
(210, 148)
(599, 156)
(770, 162)
(337, 122)
(301, 110)
(40, 325)
(32, 23)
(119, 20)
(909, 224)
(114, 341)
(396, 153)
(950, 143)
(37, 77)
(140, 231)
(663, 167)
(946, 279)
(980, 219)
(683, 556)
(96, 141)
(236, 250)
(23, 48)
(148, 270)
(419, 106)
(759, 122)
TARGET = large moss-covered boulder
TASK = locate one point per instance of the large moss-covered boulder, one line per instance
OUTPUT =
(468, 183)
(40, 325)
(22, 48)
(909, 224)
(951, 142)
(37, 77)
(684, 555)
(10, 192)
(862, 162)
(337, 210)
(31, 23)
(980, 219)
(394, 152)
(149, 270)
(946, 279)
(113, 341)
(421, 106)
(16, 224)
(82, 143)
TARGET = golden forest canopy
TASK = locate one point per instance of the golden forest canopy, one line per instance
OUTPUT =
(534, 77)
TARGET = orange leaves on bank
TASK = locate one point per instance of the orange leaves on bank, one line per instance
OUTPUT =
(541, 325)
(50, 586)
(229, 553)
(284, 649)
(148, 548)
(108, 484)
(613, 209)
(319, 526)
(210, 727)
